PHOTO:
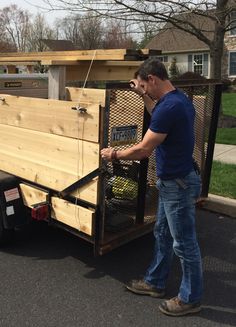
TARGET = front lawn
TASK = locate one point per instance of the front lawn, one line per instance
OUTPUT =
(226, 133)
(228, 104)
(226, 136)
(223, 179)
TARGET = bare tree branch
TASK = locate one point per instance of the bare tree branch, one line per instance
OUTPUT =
(165, 14)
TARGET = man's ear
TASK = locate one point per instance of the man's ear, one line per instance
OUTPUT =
(153, 79)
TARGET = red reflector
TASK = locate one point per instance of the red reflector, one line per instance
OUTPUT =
(40, 212)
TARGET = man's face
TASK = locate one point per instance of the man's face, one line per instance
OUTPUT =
(150, 85)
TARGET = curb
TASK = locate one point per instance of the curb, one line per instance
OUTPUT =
(220, 204)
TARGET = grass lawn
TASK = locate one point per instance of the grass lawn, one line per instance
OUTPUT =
(226, 136)
(228, 104)
(223, 177)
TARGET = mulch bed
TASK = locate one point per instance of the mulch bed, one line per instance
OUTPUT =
(226, 121)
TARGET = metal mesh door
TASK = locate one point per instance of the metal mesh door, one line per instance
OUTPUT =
(206, 99)
(129, 188)
(124, 123)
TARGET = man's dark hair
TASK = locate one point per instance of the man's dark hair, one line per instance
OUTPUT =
(152, 66)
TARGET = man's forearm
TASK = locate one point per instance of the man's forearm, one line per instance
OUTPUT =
(136, 152)
(149, 103)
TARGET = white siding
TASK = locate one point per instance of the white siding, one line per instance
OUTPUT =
(182, 61)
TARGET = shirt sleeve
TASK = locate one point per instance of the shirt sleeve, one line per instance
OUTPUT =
(163, 118)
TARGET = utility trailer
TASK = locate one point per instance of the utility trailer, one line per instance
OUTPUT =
(28, 85)
(51, 165)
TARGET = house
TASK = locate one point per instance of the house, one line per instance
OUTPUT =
(190, 53)
(59, 45)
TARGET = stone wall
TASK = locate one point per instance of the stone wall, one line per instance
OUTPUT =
(230, 45)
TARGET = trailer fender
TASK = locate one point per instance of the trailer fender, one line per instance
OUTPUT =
(13, 212)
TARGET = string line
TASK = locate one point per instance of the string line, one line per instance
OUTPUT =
(78, 143)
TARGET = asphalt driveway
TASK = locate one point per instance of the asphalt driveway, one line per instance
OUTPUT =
(49, 278)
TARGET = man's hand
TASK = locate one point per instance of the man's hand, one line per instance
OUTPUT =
(148, 101)
(106, 154)
(135, 85)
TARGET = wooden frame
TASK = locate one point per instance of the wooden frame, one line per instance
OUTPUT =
(107, 65)
(52, 143)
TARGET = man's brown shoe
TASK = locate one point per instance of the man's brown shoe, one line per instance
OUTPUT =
(175, 307)
(141, 287)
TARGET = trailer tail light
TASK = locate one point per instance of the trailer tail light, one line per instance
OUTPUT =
(40, 211)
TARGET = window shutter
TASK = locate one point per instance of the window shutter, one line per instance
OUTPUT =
(190, 61)
(205, 64)
(232, 63)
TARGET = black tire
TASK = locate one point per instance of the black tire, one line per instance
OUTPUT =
(6, 235)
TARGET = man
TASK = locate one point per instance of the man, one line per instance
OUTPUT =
(171, 133)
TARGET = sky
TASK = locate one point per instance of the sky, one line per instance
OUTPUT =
(30, 5)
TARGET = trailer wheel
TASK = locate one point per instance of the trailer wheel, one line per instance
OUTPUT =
(6, 235)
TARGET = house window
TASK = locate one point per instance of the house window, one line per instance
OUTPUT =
(233, 23)
(163, 58)
(232, 63)
(198, 63)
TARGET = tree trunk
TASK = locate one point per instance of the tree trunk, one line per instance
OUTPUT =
(217, 44)
(216, 58)
(216, 53)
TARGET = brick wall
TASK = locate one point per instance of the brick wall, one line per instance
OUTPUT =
(230, 45)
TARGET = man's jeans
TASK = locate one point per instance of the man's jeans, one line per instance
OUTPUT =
(175, 233)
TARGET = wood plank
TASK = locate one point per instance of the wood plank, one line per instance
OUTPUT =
(48, 177)
(11, 69)
(49, 160)
(57, 82)
(16, 63)
(151, 52)
(99, 54)
(88, 192)
(48, 62)
(102, 62)
(63, 211)
(73, 215)
(54, 151)
(26, 92)
(102, 72)
(53, 116)
(124, 63)
(32, 195)
(87, 95)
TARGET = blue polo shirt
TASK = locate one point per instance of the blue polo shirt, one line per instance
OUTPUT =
(174, 115)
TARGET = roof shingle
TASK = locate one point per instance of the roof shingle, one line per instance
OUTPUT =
(171, 39)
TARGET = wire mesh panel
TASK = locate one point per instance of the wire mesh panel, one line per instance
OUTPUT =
(151, 197)
(200, 97)
(121, 185)
(129, 187)
(206, 101)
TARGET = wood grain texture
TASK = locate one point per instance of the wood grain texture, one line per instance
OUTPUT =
(32, 195)
(47, 56)
(68, 213)
(102, 72)
(49, 160)
(51, 116)
(86, 95)
(73, 215)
